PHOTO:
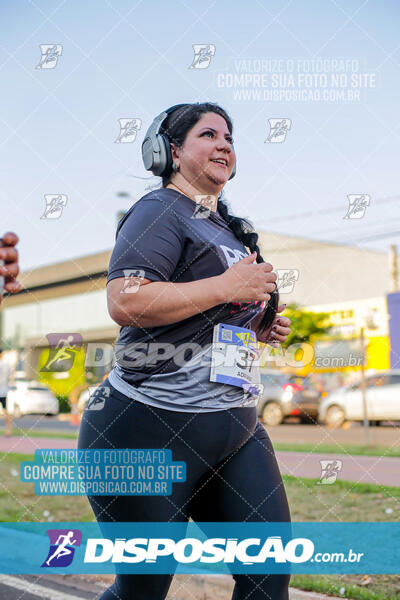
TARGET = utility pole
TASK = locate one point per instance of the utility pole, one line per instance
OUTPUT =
(394, 271)
(122, 212)
(363, 387)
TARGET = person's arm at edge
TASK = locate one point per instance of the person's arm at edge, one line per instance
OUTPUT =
(10, 269)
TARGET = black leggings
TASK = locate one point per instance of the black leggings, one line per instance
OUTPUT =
(231, 475)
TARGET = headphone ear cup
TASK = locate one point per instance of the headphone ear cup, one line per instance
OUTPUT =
(148, 154)
(167, 162)
(154, 160)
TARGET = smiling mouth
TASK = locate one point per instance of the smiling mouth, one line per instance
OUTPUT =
(220, 164)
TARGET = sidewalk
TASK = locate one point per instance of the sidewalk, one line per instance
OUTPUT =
(28, 445)
(361, 469)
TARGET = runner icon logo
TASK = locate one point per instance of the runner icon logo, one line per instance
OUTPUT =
(329, 470)
(62, 547)
(98, 398)
(202, 55)
(63, 348)
(286, 280)
(128, 130)
(357, 205)
(50, 53)
(278, 130)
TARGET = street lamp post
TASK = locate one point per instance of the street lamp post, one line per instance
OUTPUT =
(363, 387)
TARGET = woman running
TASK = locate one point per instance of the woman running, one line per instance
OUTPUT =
(192, 275)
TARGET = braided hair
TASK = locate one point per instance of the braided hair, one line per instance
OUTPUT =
(175, 127)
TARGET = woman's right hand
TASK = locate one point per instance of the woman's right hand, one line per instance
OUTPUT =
(248, 282)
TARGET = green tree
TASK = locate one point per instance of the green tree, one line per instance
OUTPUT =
(305, 326)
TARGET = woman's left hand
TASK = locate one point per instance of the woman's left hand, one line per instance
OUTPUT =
(278, 331)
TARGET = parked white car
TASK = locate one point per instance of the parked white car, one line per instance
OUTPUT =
(31, 397)
(345, 403)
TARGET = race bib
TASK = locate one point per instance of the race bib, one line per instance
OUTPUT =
(235, 358)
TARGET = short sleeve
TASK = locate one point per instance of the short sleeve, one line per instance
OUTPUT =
(149, 240)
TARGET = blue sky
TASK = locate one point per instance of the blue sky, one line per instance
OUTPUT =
(125, 59)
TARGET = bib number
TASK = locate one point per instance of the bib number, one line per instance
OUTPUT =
(235, 358)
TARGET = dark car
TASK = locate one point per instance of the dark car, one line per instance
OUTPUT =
(304, 399)
(284, 396)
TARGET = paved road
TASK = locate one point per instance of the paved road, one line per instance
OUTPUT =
(42, 423)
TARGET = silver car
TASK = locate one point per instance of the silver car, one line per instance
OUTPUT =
(382, 395)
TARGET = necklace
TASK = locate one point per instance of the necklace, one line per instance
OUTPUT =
(182, 192)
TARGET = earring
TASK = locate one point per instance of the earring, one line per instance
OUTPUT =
(175, 167)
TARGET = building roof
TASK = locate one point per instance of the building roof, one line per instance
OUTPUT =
(327, 272)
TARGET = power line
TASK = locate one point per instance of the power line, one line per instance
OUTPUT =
(379, 236)
(357, 228)
(325, 211)
(336, 242)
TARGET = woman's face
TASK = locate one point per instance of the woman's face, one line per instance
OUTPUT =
(207, 141)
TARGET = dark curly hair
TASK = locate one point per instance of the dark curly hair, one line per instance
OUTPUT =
(175, 127)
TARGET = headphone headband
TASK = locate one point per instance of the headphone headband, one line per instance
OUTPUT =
(156, 150)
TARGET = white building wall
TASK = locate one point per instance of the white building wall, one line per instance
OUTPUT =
(328, 273)
(76, 313)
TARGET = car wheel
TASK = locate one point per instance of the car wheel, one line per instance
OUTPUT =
(16, 411)
(272, 414)
(334, 416)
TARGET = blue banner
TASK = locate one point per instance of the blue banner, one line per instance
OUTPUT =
(154, 547)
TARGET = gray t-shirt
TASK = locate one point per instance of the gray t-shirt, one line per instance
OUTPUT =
(165, 236)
